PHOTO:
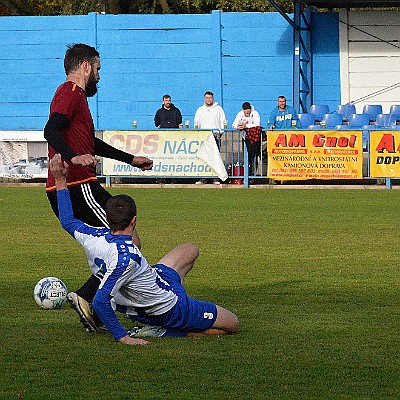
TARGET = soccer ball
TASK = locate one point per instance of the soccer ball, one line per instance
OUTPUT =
(50, 293)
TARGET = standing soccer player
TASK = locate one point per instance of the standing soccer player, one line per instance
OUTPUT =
(70, 132)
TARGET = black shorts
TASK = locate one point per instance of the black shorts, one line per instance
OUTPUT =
(88, 202)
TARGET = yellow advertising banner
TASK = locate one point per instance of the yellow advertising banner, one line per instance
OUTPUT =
(297, 154)
(385, 154)
(174, 153)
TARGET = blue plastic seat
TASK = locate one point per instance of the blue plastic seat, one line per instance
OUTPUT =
(386, 120)
(346, 110)
(319, 110)
(372, 110)
(358, 120)
(332, 120)
(395, 109)
(306, 119)
(394, 119)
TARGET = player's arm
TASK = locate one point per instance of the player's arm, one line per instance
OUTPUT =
(102, 306)
(53, 134)
(103, 149)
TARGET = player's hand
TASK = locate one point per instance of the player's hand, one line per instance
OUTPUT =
(58, 167)
(143, 163)
(129, 340)
(84, 160)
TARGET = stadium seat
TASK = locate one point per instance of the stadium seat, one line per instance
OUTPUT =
(372, 110)
(385, 120)
(394, 119)
(395, 109)
(306, 119)
(332, 120)
(346, 110)
(319, 111)
(359, 120)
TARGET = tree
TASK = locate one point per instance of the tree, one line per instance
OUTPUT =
(50, 7)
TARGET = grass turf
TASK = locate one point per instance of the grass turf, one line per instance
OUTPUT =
(312, 274)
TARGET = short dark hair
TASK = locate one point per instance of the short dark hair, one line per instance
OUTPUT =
(78, 53)
(281, 97)
(246, 106)
(210, 93)
(120, 210)
(166, 96)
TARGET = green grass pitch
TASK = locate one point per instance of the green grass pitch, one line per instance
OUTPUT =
(312, 274)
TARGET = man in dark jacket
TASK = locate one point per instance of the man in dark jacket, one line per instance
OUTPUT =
(168, 116)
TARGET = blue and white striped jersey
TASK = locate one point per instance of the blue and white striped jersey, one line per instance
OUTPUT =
(127, 279)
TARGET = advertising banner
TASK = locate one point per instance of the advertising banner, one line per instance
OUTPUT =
(385, 154)
(295, 155)
(174, 153)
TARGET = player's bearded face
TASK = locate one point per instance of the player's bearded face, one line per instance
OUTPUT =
(91, 86)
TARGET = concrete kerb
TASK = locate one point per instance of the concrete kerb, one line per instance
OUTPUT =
(212, 186)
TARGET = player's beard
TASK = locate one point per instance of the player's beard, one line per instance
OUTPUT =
(91, 86)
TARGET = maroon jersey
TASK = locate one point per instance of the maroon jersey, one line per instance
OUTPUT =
(71, 101)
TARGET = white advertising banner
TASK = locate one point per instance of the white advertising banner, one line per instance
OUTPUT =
(174, 153)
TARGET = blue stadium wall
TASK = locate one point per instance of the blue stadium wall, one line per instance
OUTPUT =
(239, 56)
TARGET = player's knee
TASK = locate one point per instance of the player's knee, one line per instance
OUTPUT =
(227, 321)
(192, 249)
(234, 324)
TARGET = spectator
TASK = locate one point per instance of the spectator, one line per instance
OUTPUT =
(248, 120)
(210, 116)
(282, 115)
(168, 116)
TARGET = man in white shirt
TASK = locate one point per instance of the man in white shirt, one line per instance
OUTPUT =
(210, 115)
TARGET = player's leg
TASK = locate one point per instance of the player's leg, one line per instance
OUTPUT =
(181, 258)
(88, 202)
(226, 323)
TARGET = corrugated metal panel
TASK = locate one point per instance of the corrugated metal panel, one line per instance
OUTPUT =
(373, 57)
